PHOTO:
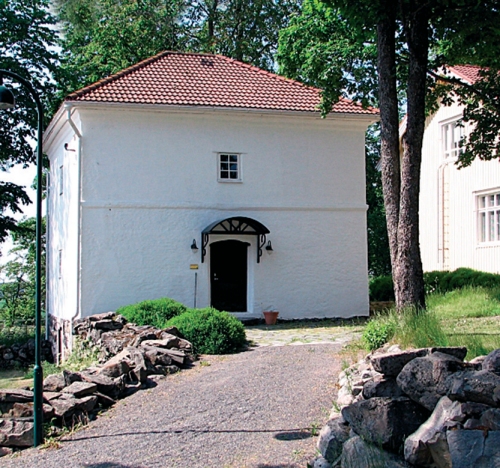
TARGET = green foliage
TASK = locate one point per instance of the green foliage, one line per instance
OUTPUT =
(102, 37)
(27, 39)
(377, 333)
(17, 292)
(83, 355)
(16, 334)
(211, 331)
(381, 288)
(379, 259)
(419, 329)
(244, 30)
(443, 281)
(155, 312)
(321, 48)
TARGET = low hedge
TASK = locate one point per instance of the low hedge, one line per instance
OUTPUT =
(210, 331)
(382, 288)
(155, 312)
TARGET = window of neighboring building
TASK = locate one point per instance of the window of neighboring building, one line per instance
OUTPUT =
(229, 167)
(489, 217)
(452, 134)
(61, 180)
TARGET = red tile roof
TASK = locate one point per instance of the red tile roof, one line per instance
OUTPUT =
(191, 79)
(469, 73)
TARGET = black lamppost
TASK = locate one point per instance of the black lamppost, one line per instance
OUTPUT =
(7, 101)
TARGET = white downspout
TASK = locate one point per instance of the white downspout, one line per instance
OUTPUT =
(68, 107)
(47, 255)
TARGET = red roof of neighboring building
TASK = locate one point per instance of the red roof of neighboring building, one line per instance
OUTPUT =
(469, 73)
(192, 79)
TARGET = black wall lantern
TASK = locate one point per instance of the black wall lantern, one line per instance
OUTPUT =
(269, 248)
(194, 247)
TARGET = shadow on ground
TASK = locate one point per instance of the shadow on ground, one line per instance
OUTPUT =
(280, 434)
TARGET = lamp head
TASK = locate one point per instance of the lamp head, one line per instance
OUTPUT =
(269, 248)
(7, 100)
(194, 247)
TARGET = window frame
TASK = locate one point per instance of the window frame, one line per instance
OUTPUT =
(488, 217)
(229, 170)
(451, 149)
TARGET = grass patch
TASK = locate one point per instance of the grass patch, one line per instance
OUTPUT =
(14, 378)
(83, 356)
(464, 317)
(470, 302)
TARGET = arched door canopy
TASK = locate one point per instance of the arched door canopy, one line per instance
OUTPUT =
(237, 225)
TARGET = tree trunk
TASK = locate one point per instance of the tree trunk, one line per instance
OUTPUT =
(212, 13)
(389, 122)
(408, 274)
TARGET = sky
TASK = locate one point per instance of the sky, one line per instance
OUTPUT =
(25, 177)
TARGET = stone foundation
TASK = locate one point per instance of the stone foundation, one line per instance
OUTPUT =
(60, 337)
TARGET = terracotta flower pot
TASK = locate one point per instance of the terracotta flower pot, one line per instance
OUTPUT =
(270, 316)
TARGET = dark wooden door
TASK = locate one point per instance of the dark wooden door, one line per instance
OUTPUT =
(228, 275)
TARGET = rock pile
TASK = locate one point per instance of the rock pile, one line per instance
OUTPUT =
(419, 408)
(132, 358)
(23, 355)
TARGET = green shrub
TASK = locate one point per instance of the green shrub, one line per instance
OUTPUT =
(210, 331)
(154, 312)
(444, 281)
(378, 332)
(381, 288)
(434, 281)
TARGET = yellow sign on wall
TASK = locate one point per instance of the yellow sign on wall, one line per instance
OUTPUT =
(193, 266)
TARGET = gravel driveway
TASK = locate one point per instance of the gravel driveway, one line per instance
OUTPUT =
(259, 408)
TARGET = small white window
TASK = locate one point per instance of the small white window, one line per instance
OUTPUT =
(452, 134)
(488, 211)
(61, 180)
(229, 167)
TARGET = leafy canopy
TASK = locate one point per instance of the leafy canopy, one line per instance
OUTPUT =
(27, 47)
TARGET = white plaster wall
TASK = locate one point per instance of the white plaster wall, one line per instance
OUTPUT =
(149, 186)
(161, 158)
(318, 268)
(62, 231)
(465, 250)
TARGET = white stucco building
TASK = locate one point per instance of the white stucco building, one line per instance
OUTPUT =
(148, 160)
(459, 208)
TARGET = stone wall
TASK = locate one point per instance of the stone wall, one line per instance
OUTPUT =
(423, 408)
(23, 355)
(131, 358)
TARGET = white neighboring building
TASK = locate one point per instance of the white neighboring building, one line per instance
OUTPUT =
(459, 208)
(154, 157)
